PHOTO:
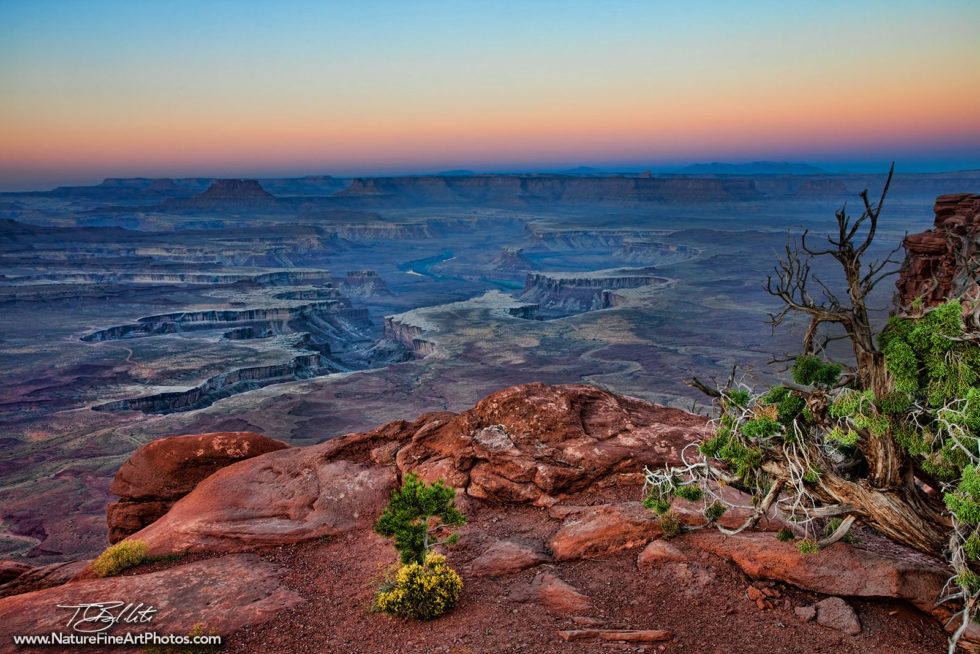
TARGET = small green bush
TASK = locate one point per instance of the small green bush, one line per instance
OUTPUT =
(670, 525)
(691, 492)
(739, 398)
(775, 395)
(410, 514)
(714, 511)
(811, 370)
(658, 504)
(972, 546)
(784, 535)
(807, 546)
(964, 501)
(422, 592)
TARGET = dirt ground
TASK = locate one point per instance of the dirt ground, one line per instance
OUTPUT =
(702, 601)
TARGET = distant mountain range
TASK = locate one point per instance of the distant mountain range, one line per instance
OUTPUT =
(752, 168)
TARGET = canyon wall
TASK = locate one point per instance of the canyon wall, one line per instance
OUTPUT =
(567, 293)
(275, 319)
(224, 385)
(943, 261)
(397, 328)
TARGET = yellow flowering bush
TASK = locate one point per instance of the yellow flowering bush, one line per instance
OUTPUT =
(121, 556)
(419, 591)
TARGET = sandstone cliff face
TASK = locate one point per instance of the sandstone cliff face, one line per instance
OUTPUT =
(567, 293)
(936, 261)
(362, 284)
(274, 320)
(401, 330)
(240, 380)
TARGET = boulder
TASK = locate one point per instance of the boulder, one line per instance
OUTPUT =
(659, 552)
(44, 576)
(507, 557)
(281, 497)
(223, 594)
(556, 595)
(874, 570)
(806, 613)
(10, 570)
(536, 443)
(603, 529)
(834, 613)
(162, 471)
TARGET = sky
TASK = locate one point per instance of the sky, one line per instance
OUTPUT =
(94, 89)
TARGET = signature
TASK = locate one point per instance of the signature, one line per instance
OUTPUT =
(94, 617)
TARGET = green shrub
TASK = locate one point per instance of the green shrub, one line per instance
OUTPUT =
(410, 515)
(963, 502)
(422, 592)
(658, 504)
(972, 546)
(775, 395)
(790, 407)
(691, 492)
(712, 446)
(714, 511)
(807, 546)
(670, 525)
(739, 398)
(121, 556)
(784, 535)
(760, 427)
(811, 370)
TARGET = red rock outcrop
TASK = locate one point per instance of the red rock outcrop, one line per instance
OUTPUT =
(883, 570)
(225, 594)
(35, 578)
(507, 557)
(556, 595)
(162, 471)
(933, 267)
(603, 529)
(282, 497)
(532, 443)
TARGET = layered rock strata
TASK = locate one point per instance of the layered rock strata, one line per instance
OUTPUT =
(943, 261)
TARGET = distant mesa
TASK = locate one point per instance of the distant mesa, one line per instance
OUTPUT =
(511, 258)
(234, 189)
(228, 194)
(752, 168)
(563, 294)
(162, 185)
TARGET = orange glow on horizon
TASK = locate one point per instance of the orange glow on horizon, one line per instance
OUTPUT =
(439, 88)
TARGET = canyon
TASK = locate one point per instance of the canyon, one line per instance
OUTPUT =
(137, 309)
(275, 324)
